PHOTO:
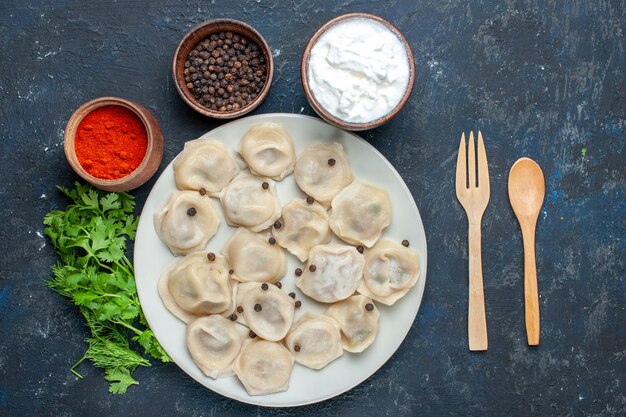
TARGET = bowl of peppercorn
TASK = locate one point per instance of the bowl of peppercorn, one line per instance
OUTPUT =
(223, 68)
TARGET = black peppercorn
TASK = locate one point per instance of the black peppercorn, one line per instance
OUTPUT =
(233, 317)
(360, 249)
(298, 304)
(312, 268)
(332, 162)
(369, 306)
(231, 271)
(292, 294)
(277, 224)
(272, 241)
(258, 307)
(202, 191)
(265, 185)
(192, 211)
(296, 348)
(279, 285)
(251, 334)
(210, 256)
(298, 272)
(239, 309)
(405, 243)
(264, 286)
(310, 200)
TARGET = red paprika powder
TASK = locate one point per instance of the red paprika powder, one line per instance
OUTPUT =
(111, 142)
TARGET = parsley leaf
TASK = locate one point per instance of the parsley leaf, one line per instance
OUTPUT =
(90, 238)
(120, 380)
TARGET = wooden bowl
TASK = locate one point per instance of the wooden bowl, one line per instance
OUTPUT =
(200, 33)
(151, 160)
(325, 114)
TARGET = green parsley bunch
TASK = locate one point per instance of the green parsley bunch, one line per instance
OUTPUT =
(90, 238)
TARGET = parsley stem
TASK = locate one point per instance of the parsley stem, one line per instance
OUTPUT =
(128, 326)
(122, 267)
(75, 365)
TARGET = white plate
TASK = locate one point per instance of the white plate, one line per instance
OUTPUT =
(306, 385)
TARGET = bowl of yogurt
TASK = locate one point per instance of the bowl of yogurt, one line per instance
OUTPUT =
(357, 71)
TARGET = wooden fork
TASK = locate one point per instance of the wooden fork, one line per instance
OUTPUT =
(473, 193)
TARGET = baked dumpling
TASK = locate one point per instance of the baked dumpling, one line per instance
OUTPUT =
(358, 319)
(195, 286)
(205, 163)
(253, 258)
(268, 311)
(214, 343)
(264, 367)
(315, 340)
(301, 227)
(268, 150)
(359, 213)
(251, 202)
(187, 222)
(391, 270)
(333, 272)
(323, 170)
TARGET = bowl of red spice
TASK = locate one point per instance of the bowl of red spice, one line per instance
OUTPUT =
(223, 68)
(113, 143)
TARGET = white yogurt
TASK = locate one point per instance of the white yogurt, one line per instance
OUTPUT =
(358, 70)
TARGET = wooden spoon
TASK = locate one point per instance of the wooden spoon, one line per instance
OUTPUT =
(526, 191)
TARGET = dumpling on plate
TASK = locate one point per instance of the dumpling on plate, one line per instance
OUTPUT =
(205, 163)
(268, 311)
(250, 201)
(333, 272)
(214, 343)
(301, 226)
(358, 319)
(315, 340)
(264, 367)
(359, 213)
(323, 170)
(253, 258)
(391, 270)
(268, 150)
(187, 222)
(196, 286)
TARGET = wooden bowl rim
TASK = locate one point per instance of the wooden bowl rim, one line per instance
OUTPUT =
(326, 115)
(216, 23)
(71, 130)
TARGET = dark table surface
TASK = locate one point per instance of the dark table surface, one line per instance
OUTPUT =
(543, 79)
